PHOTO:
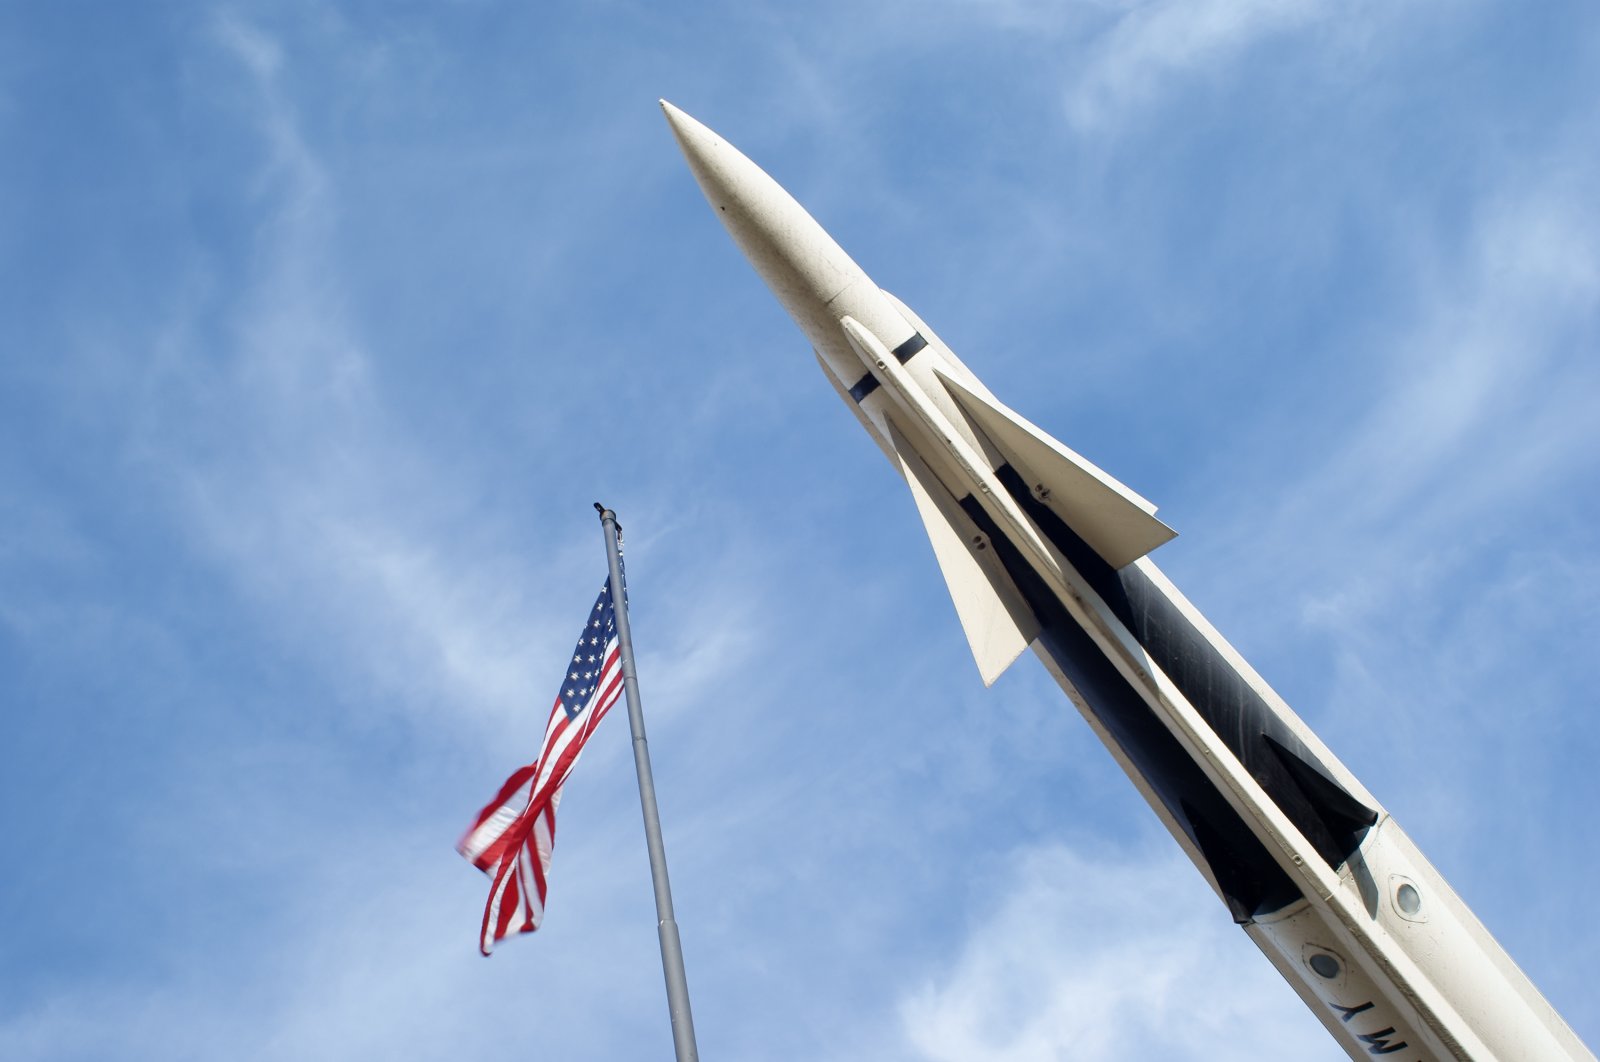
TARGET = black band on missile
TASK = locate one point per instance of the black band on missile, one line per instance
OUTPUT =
(869, 383)
(1251, 881)
(904, 351)
(864, 387)
(1325, 813)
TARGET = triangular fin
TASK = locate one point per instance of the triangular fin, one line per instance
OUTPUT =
(1117, 524)
(998, 623)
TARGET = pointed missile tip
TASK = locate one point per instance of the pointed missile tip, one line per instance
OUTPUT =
(686, 127)
(675, 117)
(697, 143)
(680, 124)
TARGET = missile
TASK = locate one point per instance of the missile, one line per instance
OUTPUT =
(1040, 548)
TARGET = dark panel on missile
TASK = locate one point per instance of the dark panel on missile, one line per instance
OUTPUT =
(864, 387)
(904, 351)
(1239, 874)
(1330, 818)
(1251, 880)
(1346, 818)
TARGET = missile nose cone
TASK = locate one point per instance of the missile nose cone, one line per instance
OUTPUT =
(800, 262)
(698, 143)
(704, 150)
(680, 124)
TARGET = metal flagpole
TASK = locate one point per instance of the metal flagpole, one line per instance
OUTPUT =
(666, 924)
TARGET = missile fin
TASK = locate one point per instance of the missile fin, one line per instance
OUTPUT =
(997, 622)
(1117, 524)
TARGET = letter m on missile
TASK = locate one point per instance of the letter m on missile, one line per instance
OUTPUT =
(1378, 1042)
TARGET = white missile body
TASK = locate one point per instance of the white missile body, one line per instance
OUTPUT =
(1039, 547)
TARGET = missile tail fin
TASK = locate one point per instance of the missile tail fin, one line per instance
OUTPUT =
(997, 622)
(1117, 524)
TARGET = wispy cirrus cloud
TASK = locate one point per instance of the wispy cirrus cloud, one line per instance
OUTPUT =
(1110, 956)
(1478, 406)
(264, 420)
(1145, 49)
(354, 553)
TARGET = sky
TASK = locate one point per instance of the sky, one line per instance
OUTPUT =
(322, 325)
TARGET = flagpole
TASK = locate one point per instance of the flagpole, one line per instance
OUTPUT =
(666, 925)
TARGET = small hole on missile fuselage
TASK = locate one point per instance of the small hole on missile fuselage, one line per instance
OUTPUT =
(1324, 965)
(1408, 899)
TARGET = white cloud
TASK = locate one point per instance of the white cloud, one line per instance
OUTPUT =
(371, 956)
(256, 49)
(278, 451)
(1482, 409)
(813, 872)
(1151, 45)
(1111, 956)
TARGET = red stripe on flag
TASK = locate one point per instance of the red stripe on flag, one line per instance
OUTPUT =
(513, 836)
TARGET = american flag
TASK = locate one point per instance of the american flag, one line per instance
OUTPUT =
(512, 836)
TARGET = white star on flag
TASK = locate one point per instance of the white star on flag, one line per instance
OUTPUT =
(512, 837)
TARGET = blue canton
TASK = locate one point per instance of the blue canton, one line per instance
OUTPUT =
(590, 655)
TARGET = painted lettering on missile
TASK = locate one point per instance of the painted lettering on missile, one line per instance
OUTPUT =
(1346, 1013)
(1377, 1042)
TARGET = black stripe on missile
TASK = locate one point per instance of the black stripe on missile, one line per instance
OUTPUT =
(869, 383)
(1251, 880)
(1329, 817)
(904, 351)
(864, 387)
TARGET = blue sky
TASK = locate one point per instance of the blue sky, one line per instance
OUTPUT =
(323, 325)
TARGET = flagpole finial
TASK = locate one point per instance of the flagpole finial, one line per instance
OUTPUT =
(601, 509)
